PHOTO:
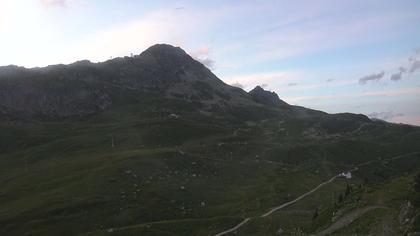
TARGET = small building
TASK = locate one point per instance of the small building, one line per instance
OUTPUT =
(346, 175)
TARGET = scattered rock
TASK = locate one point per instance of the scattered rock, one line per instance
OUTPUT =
(173, 116)
(406, 213)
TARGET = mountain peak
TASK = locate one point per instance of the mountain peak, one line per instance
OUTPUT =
(258, 89)
(163, 46)
(265, 97)
(164, 50)
(167, 56)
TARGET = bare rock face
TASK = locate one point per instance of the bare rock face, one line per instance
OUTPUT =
(160, 72)
(82, 88)
(268, 98)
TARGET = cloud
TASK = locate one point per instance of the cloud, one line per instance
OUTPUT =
(238, 85)
(396, 77)
(392, 116)
(307, 35)
(160, 26)
(292, 84)
(373, 77)
(387, 93)
(415, 65)
(203, 51)
(61, 3)
(257, 78)
(207, 62)
(202, 55)
(55, 3)
(264, 85)
(407, 119)
(384, 115)
(307, 86)
(329, 80)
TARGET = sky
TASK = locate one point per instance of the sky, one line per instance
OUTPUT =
(360, 56)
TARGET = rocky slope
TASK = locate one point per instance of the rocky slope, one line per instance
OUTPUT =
(85, 88)
(162, 72)
(268, 98)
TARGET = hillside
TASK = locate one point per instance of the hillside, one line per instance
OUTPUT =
(156, 144)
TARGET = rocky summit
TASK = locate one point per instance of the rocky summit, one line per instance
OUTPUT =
(268, 98)
(84, 88)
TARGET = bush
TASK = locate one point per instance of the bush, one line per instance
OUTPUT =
(417, 182)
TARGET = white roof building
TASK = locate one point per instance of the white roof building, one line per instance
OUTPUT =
(346, 175)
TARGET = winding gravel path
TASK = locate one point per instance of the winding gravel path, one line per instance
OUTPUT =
(236, 227)
(277, 208)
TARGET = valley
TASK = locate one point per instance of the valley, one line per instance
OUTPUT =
(156, 144)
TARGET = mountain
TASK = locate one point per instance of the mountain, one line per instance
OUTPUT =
(156, 144)
(84, 88)
(259, 95)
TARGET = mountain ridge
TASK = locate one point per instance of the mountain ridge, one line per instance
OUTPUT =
(160, 69)
(84, 88)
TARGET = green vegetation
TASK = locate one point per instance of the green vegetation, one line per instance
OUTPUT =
(157, 145)
(188, 176)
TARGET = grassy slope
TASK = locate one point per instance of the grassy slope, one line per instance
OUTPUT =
(190, 176)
